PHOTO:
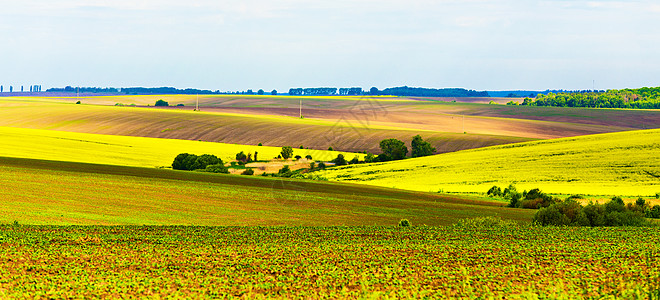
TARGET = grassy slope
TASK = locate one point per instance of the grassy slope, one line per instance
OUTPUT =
(342, 134)
(125, 150)
(626, 163)
(50, 192)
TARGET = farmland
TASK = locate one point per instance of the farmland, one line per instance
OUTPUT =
(89, 211)
(63, 193)
(336, 262)
(352, 124)
(626, 163)
(126, 150)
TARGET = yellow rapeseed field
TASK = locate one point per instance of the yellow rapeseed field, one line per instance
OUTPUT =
(624, 163)
(126, 150)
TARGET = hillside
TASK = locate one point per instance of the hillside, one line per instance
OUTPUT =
(51, 192)
(343, 130)
(626, 163)
(127, 150)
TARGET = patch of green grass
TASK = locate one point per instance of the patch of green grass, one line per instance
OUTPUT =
(52, 192)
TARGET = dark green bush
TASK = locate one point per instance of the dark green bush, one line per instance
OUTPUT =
(495, 191)
(217, 168)
(184, 161)
(161, 102)
(248, 172)
(570, 212)
(340, 160)
(404, 223)
(189, 162)
(285, 172)
(551, 216)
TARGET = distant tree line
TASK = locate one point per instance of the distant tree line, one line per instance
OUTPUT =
(427, 92)
(325, 91)
(643, 98)
(70, 89)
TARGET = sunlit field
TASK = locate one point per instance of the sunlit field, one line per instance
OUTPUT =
(329, 262)
(127, 150)
(625, 163)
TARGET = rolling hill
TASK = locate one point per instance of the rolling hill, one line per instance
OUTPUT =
(624, 163)
(342, 132)
(127, 150)
(63, 193)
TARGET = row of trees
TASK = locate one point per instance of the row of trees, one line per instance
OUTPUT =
(427, 92)
(33, 89)
(644, 98)
(612, 213)
(395, 91)
(325, 91)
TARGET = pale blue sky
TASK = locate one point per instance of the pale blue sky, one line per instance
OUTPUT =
(270, 44)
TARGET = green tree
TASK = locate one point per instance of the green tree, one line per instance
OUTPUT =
(241, 157)
(287, 152)
(340, 160)
(421, 147)
(161, 102)
(273, 92)
(184, 161)
(393, 149)
(205, 160)
(260, 92)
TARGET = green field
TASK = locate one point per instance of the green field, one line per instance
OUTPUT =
(626, 163)
(329, 262)
(61, 193)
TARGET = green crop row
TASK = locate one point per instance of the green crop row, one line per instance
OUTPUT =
(319, 262)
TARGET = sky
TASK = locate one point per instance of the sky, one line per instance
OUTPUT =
(278, 44)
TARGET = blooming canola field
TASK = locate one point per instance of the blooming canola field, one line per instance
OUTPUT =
(624, 163)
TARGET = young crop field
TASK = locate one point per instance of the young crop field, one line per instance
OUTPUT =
(65, 193)
(626, 163)
(329, 262)
(127, 150)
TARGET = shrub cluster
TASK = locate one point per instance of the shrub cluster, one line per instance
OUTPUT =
(206, 162)
(534, 199)
(612, 213)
